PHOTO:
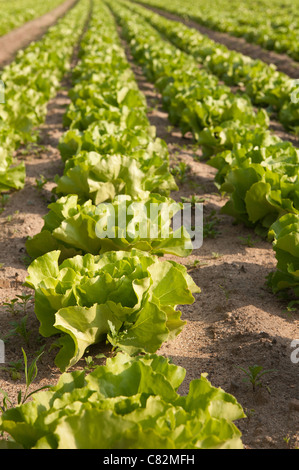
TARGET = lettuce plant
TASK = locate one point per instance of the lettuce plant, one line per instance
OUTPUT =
(80, 229)
(128, 298)
(128, 403)
(101, 178)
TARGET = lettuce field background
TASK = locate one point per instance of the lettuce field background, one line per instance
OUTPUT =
(235, 322)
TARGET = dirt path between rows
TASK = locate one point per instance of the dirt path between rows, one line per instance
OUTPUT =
(21, 37)
(283, 62)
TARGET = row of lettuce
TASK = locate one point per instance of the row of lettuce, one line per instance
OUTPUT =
(263, 83)
(27, 85)
(16, 13)
(256, 169)
(123, 293)
(272, 25)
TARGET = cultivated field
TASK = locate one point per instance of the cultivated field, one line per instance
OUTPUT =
(113, 334)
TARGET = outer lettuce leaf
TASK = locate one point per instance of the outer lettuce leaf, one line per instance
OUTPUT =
(12, 175)
(285, 235)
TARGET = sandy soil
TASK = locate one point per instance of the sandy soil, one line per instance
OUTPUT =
(20, 37)
(235, 321)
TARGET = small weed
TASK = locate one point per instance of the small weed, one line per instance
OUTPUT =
(24, 152)
(11, 306)
(247, 241)
(30, 375)
(24, 301)
(6, 401)
(226, 291)
(196, 264)
(194, 199)
(287, 439)
(10, 217)
(26, 260)
(33, 149)
(90, 364)
(20, 328)
(290, 306)
(40, 183)
(249, 413)
(19, 303)
(180, 172)
(4, 198)
(209, 227)
(13, 368)
(254, 375)
(216, 255)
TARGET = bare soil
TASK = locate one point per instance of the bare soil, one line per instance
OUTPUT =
(234, 322)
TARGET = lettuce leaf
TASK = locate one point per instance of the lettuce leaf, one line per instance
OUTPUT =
(285, 235)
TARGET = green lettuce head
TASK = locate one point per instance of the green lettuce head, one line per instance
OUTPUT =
(128, 298)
